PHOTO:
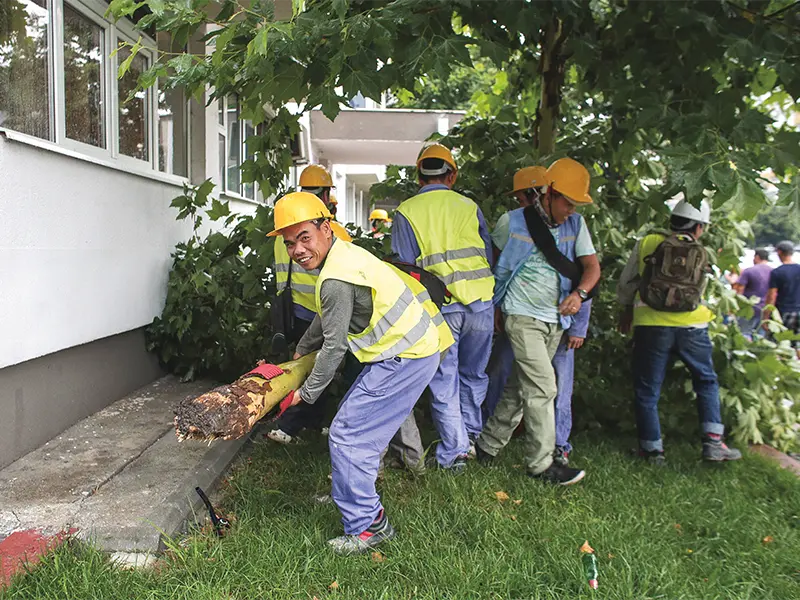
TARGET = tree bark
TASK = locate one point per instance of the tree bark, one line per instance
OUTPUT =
(230, 411)
(551, 71)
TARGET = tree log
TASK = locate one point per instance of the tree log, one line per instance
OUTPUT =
(230, 411)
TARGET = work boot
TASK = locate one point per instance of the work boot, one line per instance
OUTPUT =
(558, 475)
(483, 457)
(654, 457)
(561, 456)
(714, 450)
(280, 436)
(377, 533)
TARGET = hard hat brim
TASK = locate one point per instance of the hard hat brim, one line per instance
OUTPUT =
(338, 230)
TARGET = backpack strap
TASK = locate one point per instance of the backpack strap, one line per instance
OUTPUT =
(544, 240)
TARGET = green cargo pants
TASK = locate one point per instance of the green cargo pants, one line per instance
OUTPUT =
(530, 393)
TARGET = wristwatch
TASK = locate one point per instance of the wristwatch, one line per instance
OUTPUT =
(584, 295)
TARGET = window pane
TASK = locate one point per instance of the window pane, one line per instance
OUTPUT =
(248, 189)
(133, 122)
(24, 81)
(84, 58)
(234, 147)
(173, 132)
(222, 154)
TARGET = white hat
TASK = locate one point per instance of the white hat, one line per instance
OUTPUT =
(686, 210)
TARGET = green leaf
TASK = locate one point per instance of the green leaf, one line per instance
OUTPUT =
(258, 45)
(218, 210)
(126, 64)
(122, 8)
(340, 8)
(747, 199)
(764, 80)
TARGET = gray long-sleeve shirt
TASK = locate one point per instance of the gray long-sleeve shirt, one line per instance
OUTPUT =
(345, 308)
(628, 283)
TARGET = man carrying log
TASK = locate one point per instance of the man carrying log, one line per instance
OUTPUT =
(362, 305)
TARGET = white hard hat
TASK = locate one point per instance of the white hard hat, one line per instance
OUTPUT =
(686, 210)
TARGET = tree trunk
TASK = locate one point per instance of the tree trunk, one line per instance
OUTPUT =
(231, 411)
(551, 71)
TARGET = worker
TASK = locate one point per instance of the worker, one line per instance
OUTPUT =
(333, 205)
(546, 270)
(363, 305)
(379, 220)
(445, 233)
(663, 303)
(316, 180)
(784, 290)
(530, 183)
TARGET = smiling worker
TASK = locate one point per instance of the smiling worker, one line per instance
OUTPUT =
(362, 305)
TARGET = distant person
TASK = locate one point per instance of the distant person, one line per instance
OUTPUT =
(754, 281)
(784, 290)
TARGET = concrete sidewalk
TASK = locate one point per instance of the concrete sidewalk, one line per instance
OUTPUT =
(119, 477)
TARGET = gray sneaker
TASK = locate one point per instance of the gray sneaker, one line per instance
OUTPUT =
(350, 545)
(717, 451)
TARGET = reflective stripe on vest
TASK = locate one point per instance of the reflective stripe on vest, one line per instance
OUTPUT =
(399, 325)
(446, 228)
(446, 338)
(304, 283)
(645, 316)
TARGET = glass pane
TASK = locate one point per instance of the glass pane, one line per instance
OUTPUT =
(248, 189)
(173, 132)
(133, 122)
(234, 147)
(84, 57)
(222, 153)
(221, 111)
(24, 81)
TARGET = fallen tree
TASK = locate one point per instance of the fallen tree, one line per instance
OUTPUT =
(230, 411)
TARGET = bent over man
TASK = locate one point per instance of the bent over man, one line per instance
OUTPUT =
(362, 305)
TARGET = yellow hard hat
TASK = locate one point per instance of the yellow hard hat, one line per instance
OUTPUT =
(332, 200)
(529, 177)
(314, 176)
(436, 151)
(299, 207)
(571, 179)
(379, 213)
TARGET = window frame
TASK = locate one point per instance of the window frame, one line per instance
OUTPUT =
(112, 34)
(222, 131)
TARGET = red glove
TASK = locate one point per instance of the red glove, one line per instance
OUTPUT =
(292, 399)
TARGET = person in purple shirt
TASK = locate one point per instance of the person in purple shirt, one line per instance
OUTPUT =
(754, 281)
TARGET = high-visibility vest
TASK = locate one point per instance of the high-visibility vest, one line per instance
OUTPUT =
(446, 338)
(645, 316)
(445, 224)
(304, 283)
(399, 325)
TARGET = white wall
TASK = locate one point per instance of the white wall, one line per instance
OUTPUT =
(84, 250)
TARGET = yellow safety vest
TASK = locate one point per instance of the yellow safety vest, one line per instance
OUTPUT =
(645, 316)
(304, 283)
(446, 338)
(445, 224)
(399, 325)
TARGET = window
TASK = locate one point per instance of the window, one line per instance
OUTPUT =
(58, 82)
(233, 135)
(24, 70)
(84, 62)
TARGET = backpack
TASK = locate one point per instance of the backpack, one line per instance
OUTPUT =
(674, 275)
(436, 288)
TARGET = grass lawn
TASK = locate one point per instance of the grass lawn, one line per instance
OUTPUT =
(684, 531)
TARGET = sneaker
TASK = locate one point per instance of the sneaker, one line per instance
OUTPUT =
(280, 436)
(377, 533)
(457, 468)
(471, 453)
(559, 475)
(561, 456)
(654, 457)
(717, 451)
(483, 457)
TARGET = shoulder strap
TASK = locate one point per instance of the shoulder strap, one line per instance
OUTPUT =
(544, 240)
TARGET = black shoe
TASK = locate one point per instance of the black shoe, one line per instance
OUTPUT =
(482, 456)
(558, 475)
(654, 457)
(457, 468)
